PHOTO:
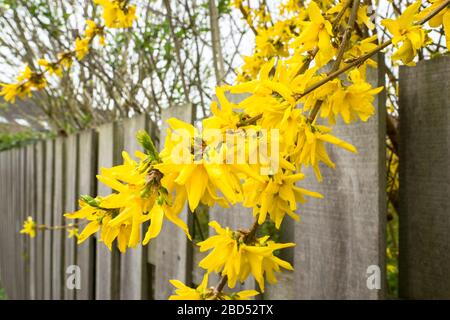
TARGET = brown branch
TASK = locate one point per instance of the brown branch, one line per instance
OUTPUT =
(245, 15)
(340, 55)
(312, 54)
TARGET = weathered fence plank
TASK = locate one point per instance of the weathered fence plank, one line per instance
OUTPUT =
(30, 191)
(3, 217)
(425, 180)
(23, 258)
(10, 271)
(70, 205)
(48, 217)
(133, 264)
(172, 245)
(58, 273)
(108, 262)
(40, 186)
(87, 169)
(340, 236)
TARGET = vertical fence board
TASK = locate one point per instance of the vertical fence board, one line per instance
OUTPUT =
(30, 191)
(70, 205)
(133, 264)
(425, 180)
(10, 267)
(12, 252)
(3, 217)
(58, 273)
(87, 168)
(48, 214)
(172, 245)
(40, 186)
(340, 236)
(108, 262)
(19, 217)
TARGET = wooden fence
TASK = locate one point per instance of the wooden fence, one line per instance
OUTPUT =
(338, 239)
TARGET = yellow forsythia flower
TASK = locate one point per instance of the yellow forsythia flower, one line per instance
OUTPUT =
(72, 232)
(235, 259)
(29, 227)
(197, 169)
(317, 33)
(81, 48)
(53, 68)
(440, 19)
(202, 292)
(117, 14)
(351, 102)
(411, 37)
(13, 90)
(310, 148)
(138, 198)
(27, 80)
(277, 196)
(92, 30)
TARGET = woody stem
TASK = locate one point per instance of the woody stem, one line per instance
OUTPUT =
(340, 54)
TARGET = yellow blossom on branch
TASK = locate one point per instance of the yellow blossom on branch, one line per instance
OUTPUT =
(442, 18)
(203, 292)
(276, 197)
(81, 48)
(27, 81)
(29, 227)
(231, 256)
(406, 35)
(316, 33)
(117, 13)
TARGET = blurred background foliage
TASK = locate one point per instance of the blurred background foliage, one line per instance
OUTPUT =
(167, 57)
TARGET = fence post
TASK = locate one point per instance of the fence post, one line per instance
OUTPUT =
(425, 180)
(173, 249)
(340, 236)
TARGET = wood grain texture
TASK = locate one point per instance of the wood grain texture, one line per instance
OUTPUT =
(133, 264)
(70, 205)
(425, 180)
(3, 217)
(107, 269)
(48, 217)
(340, 236)
(87, 169)
(30, 211)
(58, 274)
(40, 187)
(173, 247)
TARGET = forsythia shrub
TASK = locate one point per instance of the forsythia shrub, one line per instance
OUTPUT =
(287, 91)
